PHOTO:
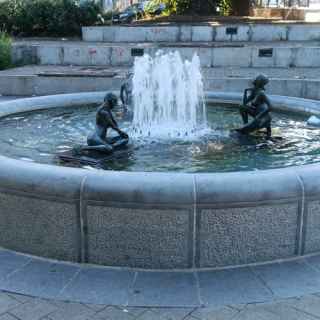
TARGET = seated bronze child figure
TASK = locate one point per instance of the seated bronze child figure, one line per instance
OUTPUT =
(99, 140)
(257, 105)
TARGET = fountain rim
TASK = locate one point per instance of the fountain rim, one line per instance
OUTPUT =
(77, 194)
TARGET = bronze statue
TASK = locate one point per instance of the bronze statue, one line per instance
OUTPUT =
(98, 140)
(126, 91)
(257, 105)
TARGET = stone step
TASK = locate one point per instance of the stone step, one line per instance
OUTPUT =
(46, 80)
(216, 32)
(271, 54)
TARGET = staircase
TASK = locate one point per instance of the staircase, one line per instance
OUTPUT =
(230, 54)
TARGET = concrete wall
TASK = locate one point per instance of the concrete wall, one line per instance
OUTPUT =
(153, 220)
(119, 55)
(40, 86)
(186, 33)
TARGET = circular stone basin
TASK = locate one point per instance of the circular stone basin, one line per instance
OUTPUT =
(160, 220)
(42, 135)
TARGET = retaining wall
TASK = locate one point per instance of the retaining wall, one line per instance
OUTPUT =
(121, 55)
(158, 220)
(189, 33)
(33, 85)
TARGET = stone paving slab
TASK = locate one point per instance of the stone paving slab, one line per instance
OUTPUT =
(289, 279)
(11, 262)
(234, 286)
(302, 308)
(46, 280)
(100, 286)
(161, 289)
(96, 285)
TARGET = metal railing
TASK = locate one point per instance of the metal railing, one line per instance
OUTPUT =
(285, 3)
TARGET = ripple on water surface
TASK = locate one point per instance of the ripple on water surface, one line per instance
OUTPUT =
(40, 136)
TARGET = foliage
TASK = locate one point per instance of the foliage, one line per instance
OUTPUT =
(200, 7)
(47, 17)
(5, 51)
(225, 7)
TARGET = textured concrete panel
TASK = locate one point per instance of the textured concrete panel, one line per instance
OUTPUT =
(161, 34)
(304, 32)
(121, 56)
(202, 33)
(40, 227)
(312, 241)
(269, 33)
(284, 57)
(244, 235)
(51, 55)
(307, 57)
(92, 34)
(226, 57)
(138, 238)
(186, 33)
(130, 34)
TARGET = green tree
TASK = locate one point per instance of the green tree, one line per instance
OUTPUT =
(208, 7)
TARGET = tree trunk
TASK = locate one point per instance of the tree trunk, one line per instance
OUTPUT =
(240, 7)
(203, 7)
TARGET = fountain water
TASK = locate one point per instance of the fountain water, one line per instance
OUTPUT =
(168, 97)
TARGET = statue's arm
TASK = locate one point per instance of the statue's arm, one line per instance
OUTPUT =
(265, 100)
(123, 90)
(248, 96)
(110, 120)
(113, 124)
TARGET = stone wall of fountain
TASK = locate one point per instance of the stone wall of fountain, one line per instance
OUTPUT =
(158, 221)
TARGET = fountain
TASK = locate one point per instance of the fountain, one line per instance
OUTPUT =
(178, 208)
(168, 97)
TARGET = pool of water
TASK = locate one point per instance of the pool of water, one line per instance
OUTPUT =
(44, 135)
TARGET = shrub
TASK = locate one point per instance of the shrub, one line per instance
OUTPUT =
(200, 7)
(5, 51)
(47, 17)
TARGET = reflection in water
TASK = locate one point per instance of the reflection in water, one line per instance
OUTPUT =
(40, 136)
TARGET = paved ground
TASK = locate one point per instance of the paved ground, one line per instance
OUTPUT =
(217, 44)
(13, 307)
(208, 73)
(282, 290)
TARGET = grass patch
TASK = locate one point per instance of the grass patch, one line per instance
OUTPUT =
(5, 51)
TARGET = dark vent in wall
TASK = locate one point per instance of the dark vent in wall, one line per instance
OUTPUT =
(266, 53)
(232, 31)
(137, 52)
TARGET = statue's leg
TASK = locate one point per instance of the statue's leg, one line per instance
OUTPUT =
(250, 127)
(95, 143)
(244, 115)
(118, 142)
(269, 131)
(104, 148)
